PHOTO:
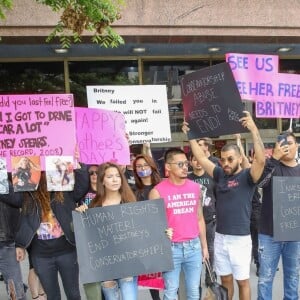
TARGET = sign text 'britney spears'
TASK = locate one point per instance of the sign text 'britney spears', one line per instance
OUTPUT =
(257, 78)
(36, 125)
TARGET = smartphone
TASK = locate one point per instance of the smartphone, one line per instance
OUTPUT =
(283, 137)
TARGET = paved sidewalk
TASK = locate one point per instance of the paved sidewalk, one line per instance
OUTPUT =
(145, 295)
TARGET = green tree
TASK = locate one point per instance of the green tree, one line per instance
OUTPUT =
(94, 16)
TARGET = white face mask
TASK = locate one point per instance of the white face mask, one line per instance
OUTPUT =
(144, 173)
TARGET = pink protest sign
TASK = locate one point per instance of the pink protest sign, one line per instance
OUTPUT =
(287, 101)
(36, 125)
(254, 74)
(101, 136)
(257, 78)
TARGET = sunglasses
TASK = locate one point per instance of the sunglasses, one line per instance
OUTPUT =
(180, 164)
(93, 173)
(230, 159)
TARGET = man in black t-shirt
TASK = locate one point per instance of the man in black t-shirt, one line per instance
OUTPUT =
(234, 191)
(282, 163)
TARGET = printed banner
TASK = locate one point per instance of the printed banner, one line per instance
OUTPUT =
(36, 125)
(101, 136)
(145, 108)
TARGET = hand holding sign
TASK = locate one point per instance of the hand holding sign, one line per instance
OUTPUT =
(248, 122)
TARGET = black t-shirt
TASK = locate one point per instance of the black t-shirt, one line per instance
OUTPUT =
(143, 194)
(209, 199)
(130, 177)
(266, 220)
(234, 195)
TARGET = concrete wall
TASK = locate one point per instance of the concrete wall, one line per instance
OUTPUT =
(174, 17)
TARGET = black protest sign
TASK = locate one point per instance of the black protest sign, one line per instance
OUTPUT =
(122, 240)
(286, 208)
(211, 102)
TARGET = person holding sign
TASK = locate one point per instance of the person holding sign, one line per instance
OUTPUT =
(182, 199)
(235, 187)
(282, 163)
(113, 189)
(46, 226)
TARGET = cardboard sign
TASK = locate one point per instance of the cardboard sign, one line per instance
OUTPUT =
(211, 102)
(101, 136)
(257, 78)
(286, 208)
(122, 240)
(145, 108)
(36, 125)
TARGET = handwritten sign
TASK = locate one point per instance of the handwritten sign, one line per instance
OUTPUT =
(101, 136)
(122, 240)
(211, 102)
(257, 78)
(286, 208)
(36, 125)
(145, 108)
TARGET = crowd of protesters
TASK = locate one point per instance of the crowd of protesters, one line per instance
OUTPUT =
(226, 220)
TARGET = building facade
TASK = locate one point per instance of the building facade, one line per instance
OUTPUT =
(163, 40)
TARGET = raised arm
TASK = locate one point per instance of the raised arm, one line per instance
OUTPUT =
(199, 154)
(245, 162)
(258, 164)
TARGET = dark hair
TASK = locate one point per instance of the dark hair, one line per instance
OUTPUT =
(289, 133)
(125, 191)
(42, 196)
(190, 155)
(171, 152)
(155, 177)
(207, 142)
(233, 147)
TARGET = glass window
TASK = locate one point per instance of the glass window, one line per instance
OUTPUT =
(32, 77)
(83, 73)
(168, 73)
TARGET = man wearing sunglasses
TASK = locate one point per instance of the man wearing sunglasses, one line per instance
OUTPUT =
(234, 192)
(185, 220)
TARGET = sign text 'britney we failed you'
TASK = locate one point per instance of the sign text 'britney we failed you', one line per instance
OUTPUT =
(211, 102)
(145, 108)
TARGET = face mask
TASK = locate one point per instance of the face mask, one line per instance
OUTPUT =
(144, 173)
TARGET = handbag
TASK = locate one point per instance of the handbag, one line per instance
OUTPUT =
(214, 291)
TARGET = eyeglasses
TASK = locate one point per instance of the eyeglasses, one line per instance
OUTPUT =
(230, 159)
(142, 166)
(180, 164)
(93, 173)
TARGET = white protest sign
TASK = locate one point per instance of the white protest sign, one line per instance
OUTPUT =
(145, 108)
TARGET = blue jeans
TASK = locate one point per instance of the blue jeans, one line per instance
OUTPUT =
(269, 254)
(11, 271)
(186, 255)
(127, 286)
(47, 269)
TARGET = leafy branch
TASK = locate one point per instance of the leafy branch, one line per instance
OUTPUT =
(77, 16)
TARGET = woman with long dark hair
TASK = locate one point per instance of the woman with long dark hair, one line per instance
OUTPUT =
(46, 226)
(113, 189)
